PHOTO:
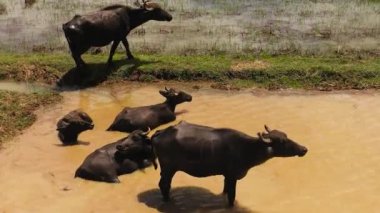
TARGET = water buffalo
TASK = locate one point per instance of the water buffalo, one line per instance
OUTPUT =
(121, 157)
(152, 116)
(110, 24)
(72, 124)
(204, 151)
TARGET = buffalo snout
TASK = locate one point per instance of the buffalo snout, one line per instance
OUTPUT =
(91, 126)
(184, 97)
(122, 148)
(302, 151)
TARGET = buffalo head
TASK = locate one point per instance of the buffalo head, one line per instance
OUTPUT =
(137, 145)
(155, 10)
(78, 120)
(281, 145)
(72, 124)
(176, 97)
(137, 141)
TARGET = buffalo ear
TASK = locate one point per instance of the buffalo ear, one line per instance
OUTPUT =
(135, 137)
(137, 4)
(264, 138)
(164, 93)
(62, 125)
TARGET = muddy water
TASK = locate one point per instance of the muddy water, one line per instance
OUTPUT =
(340, 173)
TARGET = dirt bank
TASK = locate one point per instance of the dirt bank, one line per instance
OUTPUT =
(18, 103)
(270, 72)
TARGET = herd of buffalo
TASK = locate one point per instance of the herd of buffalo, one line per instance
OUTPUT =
(197, 150)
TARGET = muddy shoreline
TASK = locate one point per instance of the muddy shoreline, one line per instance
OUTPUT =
(224, 71)
(30, 88)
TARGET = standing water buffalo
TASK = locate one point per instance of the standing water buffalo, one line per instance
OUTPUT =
(121, 157)
(72, 124)
(110, 24)
(152, 116)
(204, 151)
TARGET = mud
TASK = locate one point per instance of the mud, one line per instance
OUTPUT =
(340, 173)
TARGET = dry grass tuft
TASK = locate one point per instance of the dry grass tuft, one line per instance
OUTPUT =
(249, 65)
(3, 9)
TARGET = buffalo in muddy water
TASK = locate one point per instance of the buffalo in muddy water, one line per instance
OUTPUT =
(152, 116)
(110, 24)
(72, 124)
(118, 158)
(204, 151)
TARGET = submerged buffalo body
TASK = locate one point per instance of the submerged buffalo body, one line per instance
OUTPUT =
(150, 117)
(204, 151)
(122, 157)
(72, 124)
(110, 24)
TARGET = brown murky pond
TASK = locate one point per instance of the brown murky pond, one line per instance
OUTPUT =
(340, 173)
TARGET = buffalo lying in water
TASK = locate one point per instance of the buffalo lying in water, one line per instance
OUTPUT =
(121, 157)
(72, 124)
(152, 116)
(204, 151)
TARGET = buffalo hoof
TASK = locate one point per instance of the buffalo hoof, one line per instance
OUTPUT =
(110, 64)
(81, 67)
(115, 180)
(231, 204)
(130, 58)
(166, 198)
(111, 180)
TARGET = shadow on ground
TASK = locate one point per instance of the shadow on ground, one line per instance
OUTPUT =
(189, 199)
(93, 74)
(79, 143)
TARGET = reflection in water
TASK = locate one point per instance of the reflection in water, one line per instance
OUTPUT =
(339, 174)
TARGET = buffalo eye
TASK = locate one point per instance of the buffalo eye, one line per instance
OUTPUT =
(136, 137)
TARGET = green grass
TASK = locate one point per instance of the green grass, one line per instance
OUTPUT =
(274, 71)
(16, 110)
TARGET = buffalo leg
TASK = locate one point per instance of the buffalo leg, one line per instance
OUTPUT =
(76, 53)
(112, 52)
(165, 184)
(225, 188)
(126, 45)
(231, 190)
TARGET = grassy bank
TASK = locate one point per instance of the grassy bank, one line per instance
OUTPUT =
(17, 111)
(272, 72)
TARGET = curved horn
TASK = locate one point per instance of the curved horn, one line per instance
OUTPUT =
(137, 3)
(267, 128)
(166, 89)
(266, 140)
(147, 132)
(151, 5)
